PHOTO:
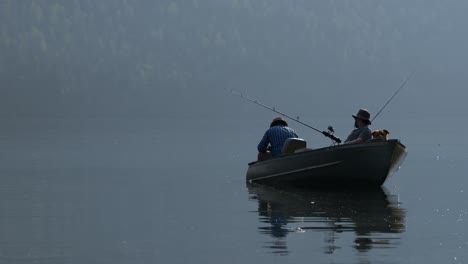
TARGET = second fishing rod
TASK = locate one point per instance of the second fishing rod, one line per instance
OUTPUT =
(328, 133)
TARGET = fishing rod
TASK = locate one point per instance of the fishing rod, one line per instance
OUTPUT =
(399, 89)
(328, 134)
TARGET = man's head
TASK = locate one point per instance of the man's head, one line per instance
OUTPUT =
(362, 118)
(278, 122)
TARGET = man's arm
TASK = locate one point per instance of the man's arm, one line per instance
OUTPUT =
(357, 140)
(363, 137)
(262, 146)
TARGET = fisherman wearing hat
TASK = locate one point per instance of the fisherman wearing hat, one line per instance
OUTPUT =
(362, 132)
(274, 138)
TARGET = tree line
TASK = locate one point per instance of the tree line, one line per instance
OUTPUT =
(55, 49)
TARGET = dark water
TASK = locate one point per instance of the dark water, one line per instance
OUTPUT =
(174, 191)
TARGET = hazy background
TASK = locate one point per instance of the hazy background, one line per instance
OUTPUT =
(120, 142)
(83, 58)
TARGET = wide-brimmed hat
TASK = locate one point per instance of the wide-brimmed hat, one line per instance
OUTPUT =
(278, 121)
(364, 115)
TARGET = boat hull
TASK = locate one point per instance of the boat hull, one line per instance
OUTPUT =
(370, 163)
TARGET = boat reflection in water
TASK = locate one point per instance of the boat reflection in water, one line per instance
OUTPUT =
(374, 216)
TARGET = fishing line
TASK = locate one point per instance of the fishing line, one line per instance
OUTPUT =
(401, 87)
(328, 134)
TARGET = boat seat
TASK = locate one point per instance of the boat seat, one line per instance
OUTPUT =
(292, 144)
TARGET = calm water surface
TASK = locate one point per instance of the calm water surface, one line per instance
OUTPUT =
(166, 191)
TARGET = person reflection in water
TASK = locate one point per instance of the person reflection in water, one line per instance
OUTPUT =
(362, 132)
(371, 219)
(274, 138)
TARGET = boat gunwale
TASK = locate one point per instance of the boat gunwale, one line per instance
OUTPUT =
(370, 143)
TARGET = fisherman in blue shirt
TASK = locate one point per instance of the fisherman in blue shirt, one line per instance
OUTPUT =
(274, 138)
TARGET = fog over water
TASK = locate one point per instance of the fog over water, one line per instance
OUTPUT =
(121, 143)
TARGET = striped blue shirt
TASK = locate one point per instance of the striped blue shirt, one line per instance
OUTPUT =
(275, 136)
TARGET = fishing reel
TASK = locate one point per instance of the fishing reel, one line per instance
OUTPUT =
(329, 134)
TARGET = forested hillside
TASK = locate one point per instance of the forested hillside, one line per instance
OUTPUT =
(82, 57)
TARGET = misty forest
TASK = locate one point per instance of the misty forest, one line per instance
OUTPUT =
(145, 57)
